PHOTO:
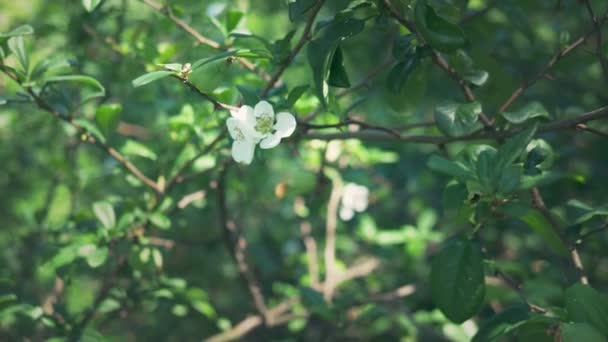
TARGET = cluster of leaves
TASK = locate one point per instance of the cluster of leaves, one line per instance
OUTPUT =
(122, 217)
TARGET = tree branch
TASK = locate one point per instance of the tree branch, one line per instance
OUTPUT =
(200, 39)
(527, 84)
(331, 224)
(558, 125)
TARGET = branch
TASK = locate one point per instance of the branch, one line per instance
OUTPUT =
(331, 224)
(539, 203)
(217, 104)
(88, 136)
(598, 38)
(306, 36)
(440, 62)
(238, 246)
(564, 124)
(311, 252)
(200, 39)
(527, 84)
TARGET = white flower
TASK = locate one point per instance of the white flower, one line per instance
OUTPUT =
(248, 126)
(355, 198)
(273, 130)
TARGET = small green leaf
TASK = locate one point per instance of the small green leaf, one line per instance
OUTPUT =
(90, 81)
(455, 169)
(90, 5)
(514, 147)
(321, 49)
(160, 220)
(250, 96)
(17, 46)
(337, 74)
(105, 214)
(298, 8)
(476, 77)
(97, 257)
(485, 170)
(510, 178)
(401, 72)
(457, 279)
(60, 207)
(585, 305)
(530, 111)
(134, 148)
(438, 32)
(579, 332)
(502, 323)
(454, 119)
(22, 30)
(233, 18)
(540, 226)
(107, 117)
(295, 94)
(151, 77)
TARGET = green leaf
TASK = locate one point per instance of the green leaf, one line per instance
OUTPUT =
(502, 323)
(105, 214)
(337, 74)
(250, 96)
(579, 332)
(321, 50)
(401, 72)
(90, 81)
(530, 111)
(17, 46)
(90, 5)
(107, 117)
(403, 48)
(151, 77)
(90, 128)
(436, 31)
(457, 119)
(298, 8)
(233, 18)
(160, 220)
(22, 30)
(585, 305)
(60, 207)
(295, 94)
(485, 170)
(457, 279)
(476, 77)
(455, 169)
(543, 228)
(510, 178)
(134, 148)
(97, 257)
(514, 147)
(209, 75)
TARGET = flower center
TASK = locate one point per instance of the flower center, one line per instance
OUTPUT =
(264, 124)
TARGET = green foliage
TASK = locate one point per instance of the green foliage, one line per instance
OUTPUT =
(444, 181)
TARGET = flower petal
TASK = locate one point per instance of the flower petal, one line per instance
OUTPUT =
(233, 128)
(262, 109)
(242, 151)
(245, 115)
(286, 124)
(346, 214)
(270, 141)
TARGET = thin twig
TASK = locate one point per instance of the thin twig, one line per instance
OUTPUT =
(217, 104)
(311, 252)
(89, 137)
(564, 124)
(238, 246)
(539, 203)
(592, 130)
(440, 62)
(200, 39)
(565, 51)
(304, 38)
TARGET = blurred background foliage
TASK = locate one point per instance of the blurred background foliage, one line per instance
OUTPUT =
(89, 252)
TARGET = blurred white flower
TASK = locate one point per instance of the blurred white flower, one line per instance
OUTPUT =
(355, 198)
(249, 126)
